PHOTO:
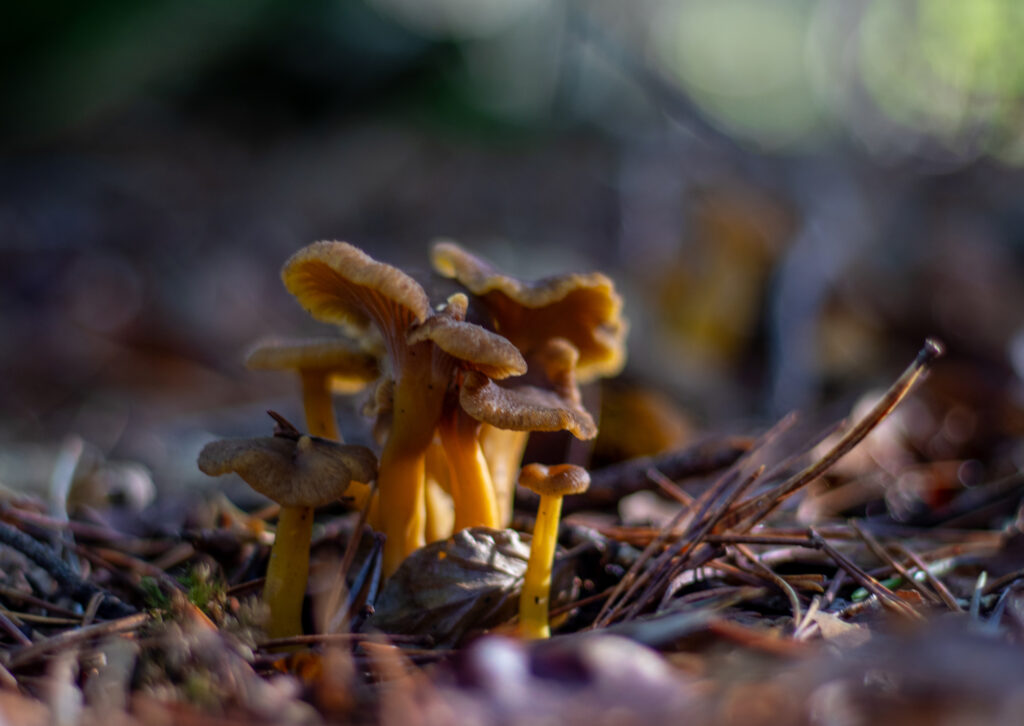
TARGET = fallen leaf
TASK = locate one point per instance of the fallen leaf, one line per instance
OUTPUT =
(465, 584)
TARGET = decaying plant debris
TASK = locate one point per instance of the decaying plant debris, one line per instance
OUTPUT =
(780, 587)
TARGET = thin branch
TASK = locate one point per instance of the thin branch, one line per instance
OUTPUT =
(79, 589)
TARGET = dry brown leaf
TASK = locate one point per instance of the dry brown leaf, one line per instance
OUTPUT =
(465, 584)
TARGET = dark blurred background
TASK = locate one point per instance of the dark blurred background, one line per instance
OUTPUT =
(789, 194)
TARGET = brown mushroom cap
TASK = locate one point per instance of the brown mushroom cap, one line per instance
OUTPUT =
(346, 363)
(303, 471)
(476, 348)
(338, 283)
(523, 408)
(584, 308)
(558, 481)
(518, 405)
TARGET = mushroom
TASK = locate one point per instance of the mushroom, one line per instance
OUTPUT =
(546, 399)
(338, 283)
(299, 472)
(322, 364)
(325, 366)
(585, 309)
(551, 483)
(489, 357)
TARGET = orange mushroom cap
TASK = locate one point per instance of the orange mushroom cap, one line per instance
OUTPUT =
(561, 480)
(347, 367)
(475, 347)
(519, 406)
(339, 283)
(582, 308)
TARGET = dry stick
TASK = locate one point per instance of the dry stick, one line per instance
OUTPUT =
(73, 637)
(12, 629)
(885, 596)
(684, 554)
(759, 539)
(75, 586)
(632, 579)
(612, 483)
(833, 588)
(10, 592)
(569, 607)
(879, 551)
(176, 555)
(41, 619)
(787, 589)
(751, 512)
(628, 584)
(675, 568)
(940, 587)
(342, 638)
(79, 529)
(338, 587)
(804, 628)
(625, 587)
(670, 487)
(999, 582)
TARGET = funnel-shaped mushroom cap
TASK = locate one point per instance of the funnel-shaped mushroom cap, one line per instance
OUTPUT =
(556, 481)
(518, 406)
(294, 471)
(476, 348)
(583, 308)
(338, 283)
(342, 359)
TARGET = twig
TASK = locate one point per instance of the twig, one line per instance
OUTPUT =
(339, 588)
(885, 596)
(787, 589)
(712, 521)
(12, 629)
(834, 587)
(342, 638)
(803, 630)
(879, 551)
(74, 637)
(76, 587)
(609, 485)
(1000, 582)
(755, 510)
(940, 587)
(79, 529)
(670, 487)
(11, 593)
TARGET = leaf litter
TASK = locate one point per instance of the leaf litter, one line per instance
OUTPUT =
(763, 598)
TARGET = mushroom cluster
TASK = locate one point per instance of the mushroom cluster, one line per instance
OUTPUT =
(454, 399)
(456, 382)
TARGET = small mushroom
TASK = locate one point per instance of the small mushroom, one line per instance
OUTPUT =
(545, 399)
(551, 483)
(323, 364)
(299, 472)
(489, 356)
(585, 309)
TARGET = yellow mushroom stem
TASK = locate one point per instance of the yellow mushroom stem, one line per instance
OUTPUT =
(400, 478)
(316, 401)
(320, 421)
(536, 593)
(288, 571)
(440, 511)
(503, 449)
(470, 479)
